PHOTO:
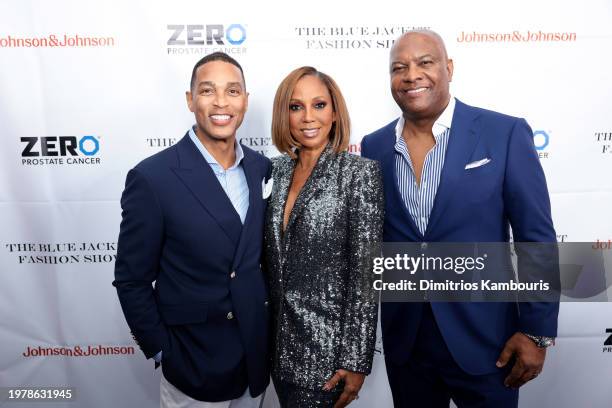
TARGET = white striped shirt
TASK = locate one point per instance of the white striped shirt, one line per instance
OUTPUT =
(419, 199)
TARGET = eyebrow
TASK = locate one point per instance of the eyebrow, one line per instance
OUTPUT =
(420, 57)
(299, 100)
(211, 83)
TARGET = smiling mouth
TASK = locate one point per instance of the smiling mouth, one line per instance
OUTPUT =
(416, 91)
(220, 119)
(310, 132)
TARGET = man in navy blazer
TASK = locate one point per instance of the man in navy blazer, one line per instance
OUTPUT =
(456, 173)
(188, 271)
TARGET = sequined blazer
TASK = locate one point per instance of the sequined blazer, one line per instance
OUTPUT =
(320, 269)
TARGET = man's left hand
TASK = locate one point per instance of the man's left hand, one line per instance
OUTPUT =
(529, 360)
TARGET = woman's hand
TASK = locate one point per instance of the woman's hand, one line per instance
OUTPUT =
(352, 384)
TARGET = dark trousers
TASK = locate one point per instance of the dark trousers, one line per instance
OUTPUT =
(431, 378)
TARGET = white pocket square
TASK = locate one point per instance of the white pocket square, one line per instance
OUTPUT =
(477, 163)
(266, 188)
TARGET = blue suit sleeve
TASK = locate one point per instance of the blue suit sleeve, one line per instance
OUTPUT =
(137, 266)
(528, 207)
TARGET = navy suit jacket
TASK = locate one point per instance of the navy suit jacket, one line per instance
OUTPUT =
(208, 309)
(476, 205)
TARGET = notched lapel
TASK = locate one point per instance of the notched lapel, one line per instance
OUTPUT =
(253, 178)
(200, 179)
(249, 165)
(462, 141)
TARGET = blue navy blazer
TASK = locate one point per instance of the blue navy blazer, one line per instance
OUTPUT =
(476, 205)
(208, 309)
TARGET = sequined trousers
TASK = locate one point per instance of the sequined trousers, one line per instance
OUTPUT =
(293, 396)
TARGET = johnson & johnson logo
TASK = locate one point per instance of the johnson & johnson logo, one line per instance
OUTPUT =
(77, 351)
(515, 36)
(57, 41)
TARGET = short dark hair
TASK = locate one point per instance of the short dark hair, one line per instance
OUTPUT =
(215, 56)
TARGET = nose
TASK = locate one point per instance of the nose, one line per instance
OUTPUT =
(308, 115)
(220, 100)
(412, 73)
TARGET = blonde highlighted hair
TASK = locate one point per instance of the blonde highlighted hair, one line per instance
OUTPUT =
(282, 138)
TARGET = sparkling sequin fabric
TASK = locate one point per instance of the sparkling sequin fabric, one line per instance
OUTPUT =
(294, 396)
(320, 269)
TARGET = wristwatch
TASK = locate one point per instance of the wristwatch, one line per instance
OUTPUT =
(541, 341)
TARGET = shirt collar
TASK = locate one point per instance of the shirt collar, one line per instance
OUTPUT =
(440, 126)
(209, 157)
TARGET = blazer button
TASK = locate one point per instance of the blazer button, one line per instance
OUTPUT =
(424, 245)
(266, 303)
(230, 316)
(233, 274)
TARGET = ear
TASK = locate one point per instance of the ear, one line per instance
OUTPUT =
(189, 98)
(246, 106)
(449, 69)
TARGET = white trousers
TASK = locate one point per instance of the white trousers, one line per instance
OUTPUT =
(172, 397)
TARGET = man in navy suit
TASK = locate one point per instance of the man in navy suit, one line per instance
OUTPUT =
(456, 173)
(188, 271)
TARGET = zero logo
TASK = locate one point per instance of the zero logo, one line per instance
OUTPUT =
(212, 34)
(51, 146)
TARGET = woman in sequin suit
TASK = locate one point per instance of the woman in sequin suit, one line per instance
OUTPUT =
(323, 220)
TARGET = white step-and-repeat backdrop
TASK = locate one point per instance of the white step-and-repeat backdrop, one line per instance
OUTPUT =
(89, 88)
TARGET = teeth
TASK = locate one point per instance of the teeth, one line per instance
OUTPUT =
(220, 117)
(414, 91)
(310, 132)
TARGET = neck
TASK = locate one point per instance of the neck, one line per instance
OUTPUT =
(307, 158)
(416, 126)
(223, 150)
